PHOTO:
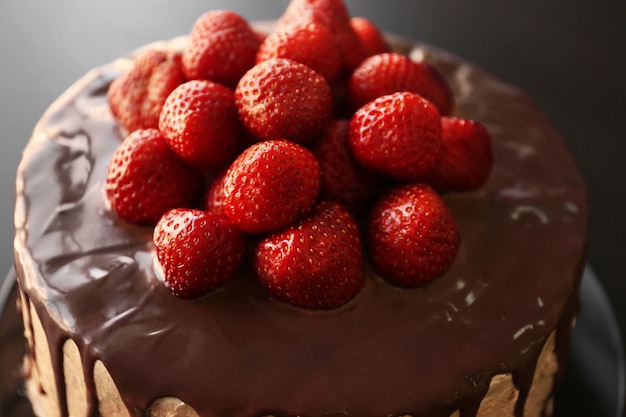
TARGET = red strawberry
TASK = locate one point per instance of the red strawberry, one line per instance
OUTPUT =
(465, 160)
(214, 196)
(136, 96)
(412, 236)
(334, 15)
(388, 73)
(222, 47)
(315, 264)
(270, 185)
(310, 44)
(372, 40)
(398, 135)
(342, 179)
(145, 178)
(283, 99)
(201, 124)
(198, 251)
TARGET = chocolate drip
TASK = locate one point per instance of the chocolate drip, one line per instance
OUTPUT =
(237, 353)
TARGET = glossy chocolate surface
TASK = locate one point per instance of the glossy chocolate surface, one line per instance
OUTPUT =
(425, 352)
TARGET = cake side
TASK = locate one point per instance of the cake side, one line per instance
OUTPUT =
(516, 274)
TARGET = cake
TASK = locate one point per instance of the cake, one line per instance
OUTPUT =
(489, 337)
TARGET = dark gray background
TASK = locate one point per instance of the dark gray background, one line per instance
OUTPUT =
(568, 54)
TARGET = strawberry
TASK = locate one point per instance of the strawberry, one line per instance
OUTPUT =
(465, 159)
(310, 44)
(412, 236)
(198, 251)
(200, 121)
(398, 135)
(314, 264)
(222, 47)
(372, 40)
(342, 179)
(283, 99)
(270, 185)
(144, 178)
(214, 196)
(334, 15)
(136, 96)
(391, 72)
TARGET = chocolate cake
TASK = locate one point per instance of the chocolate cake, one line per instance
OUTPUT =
(105, 337)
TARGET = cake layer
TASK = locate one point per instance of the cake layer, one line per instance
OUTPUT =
(499, 400)
(89, 277)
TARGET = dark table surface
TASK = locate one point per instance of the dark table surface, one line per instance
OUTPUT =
(569, 55)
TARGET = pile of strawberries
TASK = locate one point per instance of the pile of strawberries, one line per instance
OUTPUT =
(307, 152)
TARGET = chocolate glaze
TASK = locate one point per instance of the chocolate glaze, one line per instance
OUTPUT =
(237, 353)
